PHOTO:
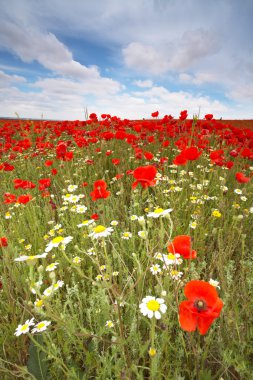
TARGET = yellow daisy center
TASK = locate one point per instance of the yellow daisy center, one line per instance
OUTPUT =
(170, 256)
(39, 303)
(23, 328)
(153, 305)
(99, 229)
(158, 210)
(40, 325)
(58, 239)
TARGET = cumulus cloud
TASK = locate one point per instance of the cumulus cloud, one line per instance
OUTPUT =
(32, 45)
(182, 54)
(198, 79)
(6, 79)
(143, 83)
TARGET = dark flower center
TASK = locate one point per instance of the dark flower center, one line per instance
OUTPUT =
(200, 305)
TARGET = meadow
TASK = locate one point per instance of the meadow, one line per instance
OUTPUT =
(126, 249)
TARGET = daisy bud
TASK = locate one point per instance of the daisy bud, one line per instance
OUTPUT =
(152, 352)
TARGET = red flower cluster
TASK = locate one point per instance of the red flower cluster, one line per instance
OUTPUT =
(23, 184)
(202, 307)
(62, 153)
(145, 176)
(11, 198)
(182, 244)
(240, 177)
(99, 190)
(7, 167)
(3, 242)
(44, 183)
(188, 154)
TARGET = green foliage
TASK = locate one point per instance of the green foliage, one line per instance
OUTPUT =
(37, 363)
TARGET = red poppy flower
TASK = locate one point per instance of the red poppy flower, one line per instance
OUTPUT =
(182, 244)
(155, 114)
(54, 171)
(116, 161)
(44, 183)
(7, 167)
(240, 177)
(23, 184)
(191, 153)
(99, 190)
(95, 216)
(183, 115)
(3, 242)
(148, 155)
(209, 116)
(165, 143)
(9, 198)
(48, 163)
(234, 153)
(24, 198)
(180, 159)
(202, 307)
(144, 175)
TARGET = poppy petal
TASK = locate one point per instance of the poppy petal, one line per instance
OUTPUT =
(187, 320)
(197, 289)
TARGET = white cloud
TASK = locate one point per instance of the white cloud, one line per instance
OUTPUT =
(173, 55)
(198, 79)
(33, 45)
(143, 83)
(6, 79)
(144, 58)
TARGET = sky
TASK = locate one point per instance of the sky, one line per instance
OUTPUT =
(59, 58)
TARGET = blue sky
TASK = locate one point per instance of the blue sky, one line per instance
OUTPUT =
(129, 59)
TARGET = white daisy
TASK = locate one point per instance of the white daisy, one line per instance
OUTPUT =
(159, 212)
(152, 307)
(23, 329)
(193, 225)
(100, 232)
(71, 198)
(214, 283)
(41, 326)
(126, 235)
(72, 188)
(31, 258)
(76, 260)
(175, 274)
(143, 234)
(51, 267)
(86, 223)
(58, 240)
(80, 209)
(109, 324)
(155, 269)
(91, 252)
(172, 259)
(48, 291)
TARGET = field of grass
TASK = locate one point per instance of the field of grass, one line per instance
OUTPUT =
(126, 249)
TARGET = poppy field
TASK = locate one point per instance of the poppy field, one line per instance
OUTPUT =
(126, 249)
